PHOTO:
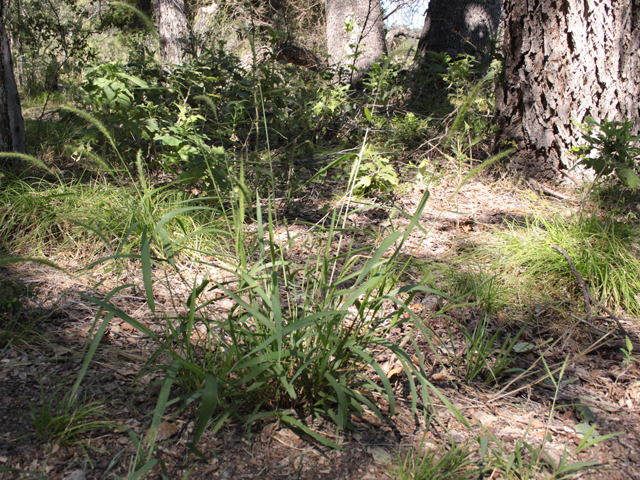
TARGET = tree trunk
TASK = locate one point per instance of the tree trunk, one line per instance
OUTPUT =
(459, 26)
(355, 33)
(172, 30)
(20, 45)
(12, 138)
(565, 60)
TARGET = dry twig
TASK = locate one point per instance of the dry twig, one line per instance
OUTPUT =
(588, 299)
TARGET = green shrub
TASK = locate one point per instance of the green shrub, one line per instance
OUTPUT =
(609, 149)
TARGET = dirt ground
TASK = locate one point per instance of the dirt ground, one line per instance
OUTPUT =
(47, 364)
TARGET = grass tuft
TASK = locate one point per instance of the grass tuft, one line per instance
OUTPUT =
(604, 251)
(44, 218)
(455, 463)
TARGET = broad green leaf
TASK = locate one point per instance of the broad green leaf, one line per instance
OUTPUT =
(169, 140)
(142, 471)
(628, 177)
(342, 400)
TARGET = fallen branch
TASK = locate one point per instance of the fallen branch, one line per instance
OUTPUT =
(585, 292)
(547, 190)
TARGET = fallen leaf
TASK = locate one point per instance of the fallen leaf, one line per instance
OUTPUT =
(166, 430)
(524, 347)
(267, 431)
(394, 371)
(583, 428)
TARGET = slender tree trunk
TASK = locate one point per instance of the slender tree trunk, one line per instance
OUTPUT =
(459, 26)
(566, 60)
(12, 138)
(355, 33)
(172, 30)
(20, 46)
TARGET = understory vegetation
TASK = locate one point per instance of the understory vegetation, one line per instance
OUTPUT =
(230, 198)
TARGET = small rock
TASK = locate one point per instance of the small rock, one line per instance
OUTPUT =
(75, 475)
(227, 474)
(458, 437)
(552, 458)
(485, 419)
(380, 455)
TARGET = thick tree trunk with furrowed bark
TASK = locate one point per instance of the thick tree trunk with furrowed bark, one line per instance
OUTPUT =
(364, 44)
(172, 30)
(565, 60)
(459, 26)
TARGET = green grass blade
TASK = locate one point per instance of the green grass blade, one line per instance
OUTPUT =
(301, 426)
(145, 259)
(142, 471)
(9, 260)
(276, 312)
(207, 406)
(161, 405)
(120, 314)
(343, 406)
(383, 377)
(89, 356)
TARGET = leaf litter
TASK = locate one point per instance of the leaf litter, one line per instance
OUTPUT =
(595, 390)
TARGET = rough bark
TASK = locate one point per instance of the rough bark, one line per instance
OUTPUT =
(172, 30)
(12, 135)
(203, 18)
(565, 60)
(365, 43)
(459, 26)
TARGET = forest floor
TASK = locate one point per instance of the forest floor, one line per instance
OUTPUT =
(47, 363)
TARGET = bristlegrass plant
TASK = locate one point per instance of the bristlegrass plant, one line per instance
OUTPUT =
(476, 285)
(299, 336)
(65, 419)
(604, 252)
(455, 463)
(485, 354)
